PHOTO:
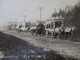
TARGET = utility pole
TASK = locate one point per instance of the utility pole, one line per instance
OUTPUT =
(40, 8)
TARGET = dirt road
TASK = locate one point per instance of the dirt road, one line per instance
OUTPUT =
(63, 47)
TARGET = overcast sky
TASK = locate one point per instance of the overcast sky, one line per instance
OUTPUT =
(12, 9)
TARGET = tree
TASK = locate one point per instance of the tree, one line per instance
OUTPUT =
(55, 14)
(76, 17)
(75, 21)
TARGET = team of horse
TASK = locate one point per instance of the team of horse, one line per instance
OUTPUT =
(58, 32)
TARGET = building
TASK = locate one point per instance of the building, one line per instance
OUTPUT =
(12, 25)
(54, 22)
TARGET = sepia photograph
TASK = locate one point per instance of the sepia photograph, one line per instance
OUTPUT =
(39, 29)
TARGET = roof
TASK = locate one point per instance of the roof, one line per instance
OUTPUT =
(55, 19)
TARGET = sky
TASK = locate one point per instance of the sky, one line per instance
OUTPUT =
(15, 10)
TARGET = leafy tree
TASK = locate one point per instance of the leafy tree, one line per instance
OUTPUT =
(76, 16)
(72, 17)
(55, 14)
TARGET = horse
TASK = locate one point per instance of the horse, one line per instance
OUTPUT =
(24, 29)
(18, 28)
(62, 33)
(49, 32)
(33, 30)
(58, 32)
(68, 32)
